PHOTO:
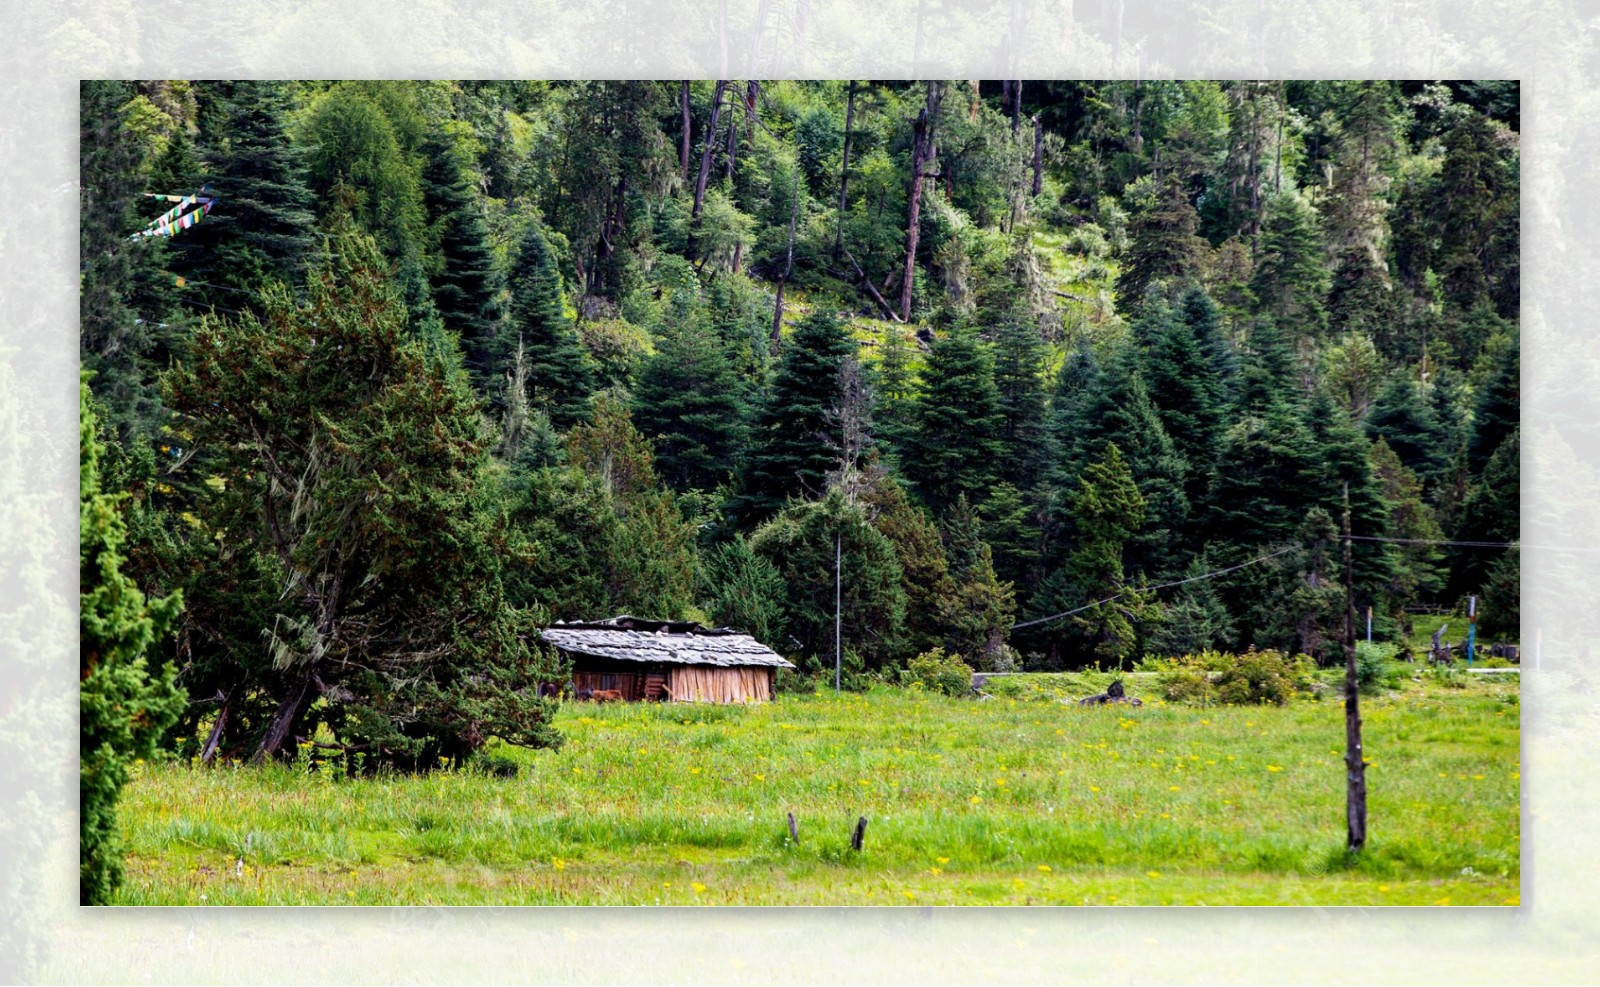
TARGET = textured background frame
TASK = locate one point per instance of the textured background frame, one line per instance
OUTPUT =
(1554, 936)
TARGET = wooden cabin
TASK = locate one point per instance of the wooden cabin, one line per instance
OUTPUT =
(666, 660)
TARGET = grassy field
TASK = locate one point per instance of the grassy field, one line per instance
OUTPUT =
(1010, 801)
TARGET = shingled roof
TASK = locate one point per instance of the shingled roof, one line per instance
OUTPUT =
(662, 642)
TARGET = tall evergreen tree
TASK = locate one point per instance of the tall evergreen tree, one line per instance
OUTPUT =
(1291, 281)
(124, 705)
(1402, 415)
(1182, 350)
(1019, 387)
(558, 373)
(792, 449)
(1499, 408)
(983, 607)
(466, 280)
(357, 458)
(955, 440)
(1162, 245)
(261, 228)
(1120, 411)
(689, 402)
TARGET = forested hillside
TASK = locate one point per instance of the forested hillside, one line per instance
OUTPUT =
(447, 361)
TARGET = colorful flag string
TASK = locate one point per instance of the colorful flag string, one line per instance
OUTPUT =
(181, 216)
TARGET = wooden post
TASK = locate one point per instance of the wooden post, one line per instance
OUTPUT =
(859, 835)
(838, 612)
(1355, 765)
(794, 830)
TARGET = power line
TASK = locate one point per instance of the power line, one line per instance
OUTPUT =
(1437, 541)
(1180, 582)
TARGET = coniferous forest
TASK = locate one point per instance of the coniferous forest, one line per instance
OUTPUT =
(444, 362)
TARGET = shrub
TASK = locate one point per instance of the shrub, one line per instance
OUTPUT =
(1187, 684)
(939, 672)
(1257, 677)
(1375, 667)
(1237, 680)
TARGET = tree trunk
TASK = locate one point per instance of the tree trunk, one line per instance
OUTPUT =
(710, 149)
(1038, 155)
(283, 721)
(844, 168)
(1016, 106)
(214, 739)
(1354, 759)
(733, 145)
(924, 150)
(788, 266)
(683, 147)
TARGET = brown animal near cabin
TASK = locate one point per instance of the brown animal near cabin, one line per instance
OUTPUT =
(606, 695)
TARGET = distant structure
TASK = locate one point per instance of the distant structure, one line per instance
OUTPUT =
(666, 660)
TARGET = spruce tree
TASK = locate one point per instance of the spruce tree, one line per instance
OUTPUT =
(359, 461)
(1291, 280)
(1120, 411)
(114, 336)
(559, 377)
(1019, 386)
(792, 447)
(983, 607)
(689, 402)
(1402, 415)
(954, 442)
(1162, 245)
(1499, 408)
(261, 228)
(925, 571)
(124, 705)
(1181, 374)
(466, 280)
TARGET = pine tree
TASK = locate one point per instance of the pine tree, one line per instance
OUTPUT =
(983, 607)
(1402, 416)
(1418, 566)
(1343, 461)
(1499, 408)
(792, 449)
(954, 441)
(801, 541)
(466, 280)
(261, 228)
(1019, 386)
(124, 705)
(114, 336)
(1120, 411)
(1290, 280)
(745, 591)
(925, 571)
(1492, 513)
(1163, 245)
(1109, 511)
(689, 402)
(559, 377)
(1182, 351)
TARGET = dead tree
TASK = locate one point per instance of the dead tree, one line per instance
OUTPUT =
(924, 152)
(844, 172)
(683, 145)
(1038, 156)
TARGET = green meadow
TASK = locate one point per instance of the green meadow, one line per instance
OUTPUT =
(1022, 799)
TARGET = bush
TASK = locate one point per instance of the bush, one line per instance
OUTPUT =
(1237, 680)
(939, 672)
(1005, 687)
(1376, 668)
(1257, 677)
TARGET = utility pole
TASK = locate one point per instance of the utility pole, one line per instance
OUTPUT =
(1355, 765)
